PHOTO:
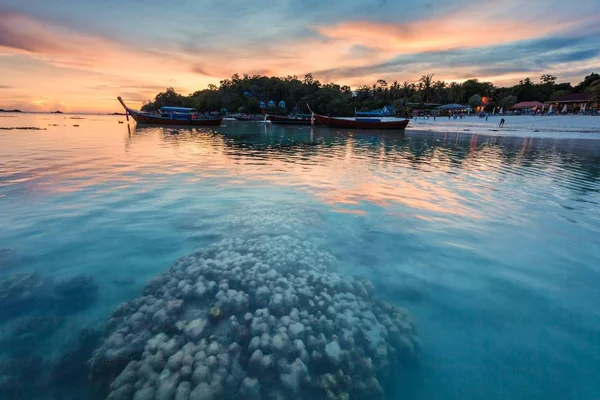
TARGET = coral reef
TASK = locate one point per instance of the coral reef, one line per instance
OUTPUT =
(264, 318)
(274, 219)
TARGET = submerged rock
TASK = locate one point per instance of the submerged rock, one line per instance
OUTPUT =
(29, 331)
(16, 376)
(255, 319)
(75, 293)
(23, 292)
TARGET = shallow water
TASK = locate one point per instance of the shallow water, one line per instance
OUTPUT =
(491, 241)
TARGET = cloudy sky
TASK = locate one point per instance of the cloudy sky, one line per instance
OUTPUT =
(78, 55)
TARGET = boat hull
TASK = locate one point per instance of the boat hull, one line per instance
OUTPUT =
(249, 119)
(279, 120)
(144, 118)
(147, 119)
(354, 124)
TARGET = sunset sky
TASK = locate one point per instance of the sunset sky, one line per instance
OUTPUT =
(78, 55)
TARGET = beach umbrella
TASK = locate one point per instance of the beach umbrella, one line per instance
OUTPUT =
(543, 107)
(502, 110)
(550, 109)
(564, 110)
(583, 106)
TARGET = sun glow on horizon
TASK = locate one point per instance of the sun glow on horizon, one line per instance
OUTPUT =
(58, 63)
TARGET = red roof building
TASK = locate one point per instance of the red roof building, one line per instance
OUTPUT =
(525, 105)
(574, 102)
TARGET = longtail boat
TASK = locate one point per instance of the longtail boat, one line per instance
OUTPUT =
(359, 122)
(171, 116)
(297, 119)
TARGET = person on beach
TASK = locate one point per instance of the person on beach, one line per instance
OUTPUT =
(501, 123)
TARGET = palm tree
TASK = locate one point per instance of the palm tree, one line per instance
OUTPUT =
(439, 91)
(407, 90)
(456, 93)
(426, 83)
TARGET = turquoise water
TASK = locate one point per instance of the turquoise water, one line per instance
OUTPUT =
(492, 243)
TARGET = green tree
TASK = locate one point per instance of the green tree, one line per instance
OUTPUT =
(594, 89)
(440, 92)
(394, 91)
(546, 87)
(474, 101)
(244, 93)
(558, 94)
(407, 90)
(525, 90)
(167, 98)
(470, 87)
(456, 93)
(547, 79)
(507, 102)
(426, 87)
(587, 81)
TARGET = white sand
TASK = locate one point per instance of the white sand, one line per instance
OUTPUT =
(572, 126)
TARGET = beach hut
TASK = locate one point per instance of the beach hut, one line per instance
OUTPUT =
(271, 103)
(528, 106)
(282, 104)
(262, 104)
(454, 108)
(582, 100)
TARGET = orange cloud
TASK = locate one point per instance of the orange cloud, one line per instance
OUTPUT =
(48, 64)
(460, 30)
(57, 65)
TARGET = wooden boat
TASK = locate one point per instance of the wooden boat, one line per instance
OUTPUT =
(249, 118)
(360, 123)
(298, 119)
(171, 116)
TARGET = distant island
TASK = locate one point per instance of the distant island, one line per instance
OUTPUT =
(56, 112)
(15, 110)
(116, 113)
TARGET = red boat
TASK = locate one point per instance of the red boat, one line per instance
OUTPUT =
(171, 116)
(360, 123)
(300, 119)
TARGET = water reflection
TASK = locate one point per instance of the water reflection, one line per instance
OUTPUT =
(444, 174)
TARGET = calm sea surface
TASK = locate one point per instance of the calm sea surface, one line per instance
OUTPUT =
(492, 243)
